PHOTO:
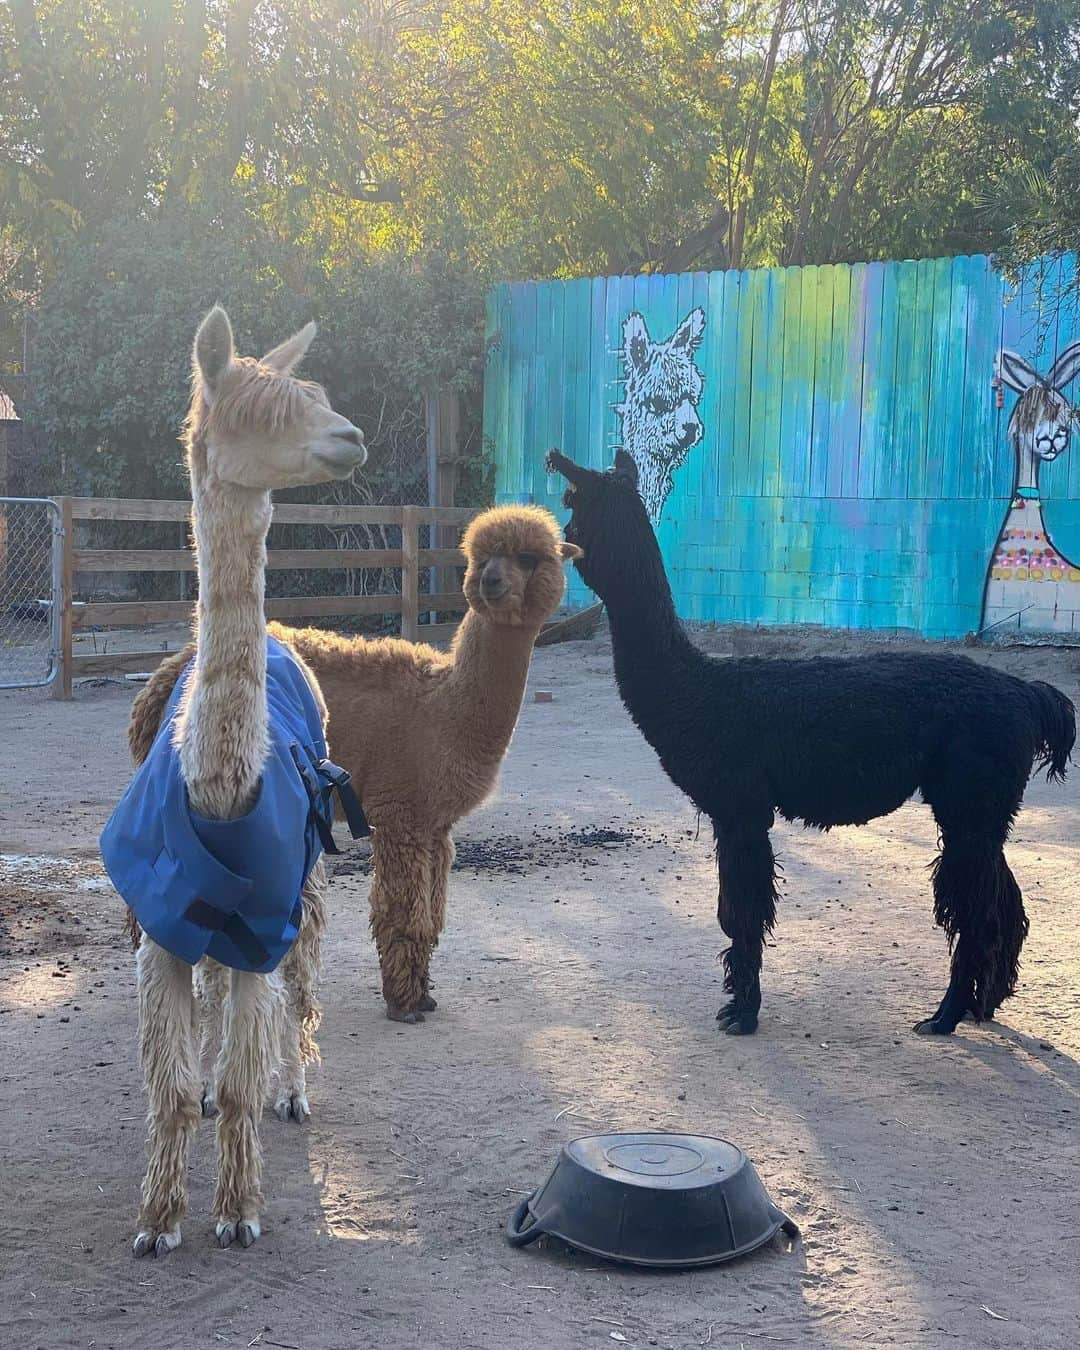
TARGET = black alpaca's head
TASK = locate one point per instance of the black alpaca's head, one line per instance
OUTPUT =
(608, 520)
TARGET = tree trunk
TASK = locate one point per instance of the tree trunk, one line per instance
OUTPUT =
(738, 233)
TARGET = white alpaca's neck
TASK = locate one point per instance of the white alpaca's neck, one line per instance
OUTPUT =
(222, 728)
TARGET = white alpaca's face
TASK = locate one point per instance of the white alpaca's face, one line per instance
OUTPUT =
(317, 445)
(267, 429)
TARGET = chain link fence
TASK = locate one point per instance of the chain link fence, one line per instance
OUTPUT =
(29, 614)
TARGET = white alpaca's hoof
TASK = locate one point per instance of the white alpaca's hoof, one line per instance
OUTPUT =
(293, 1106)
(244, 1231)
(161, 1244)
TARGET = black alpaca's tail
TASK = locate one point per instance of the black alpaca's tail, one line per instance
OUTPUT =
(1056, 718)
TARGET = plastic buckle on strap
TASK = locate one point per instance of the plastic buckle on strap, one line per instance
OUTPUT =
(317, 799)
(341, 780)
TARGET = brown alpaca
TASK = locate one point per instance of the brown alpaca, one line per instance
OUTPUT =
(423, 732)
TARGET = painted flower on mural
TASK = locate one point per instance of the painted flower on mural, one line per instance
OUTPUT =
(662, 388)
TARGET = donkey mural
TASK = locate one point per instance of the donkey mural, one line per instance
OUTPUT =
(1030, 580)
(662, 388)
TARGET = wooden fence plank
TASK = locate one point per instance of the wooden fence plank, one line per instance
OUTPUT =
(116, 663)
(182, 560)
(841, 393)
(767, 401)
(122, 508)
(316, 606)
(132, 613)
(849, 425)
(285, 513)
(869, 416)
(437, 634)
(905, 390)
(821, 327)
(443, 515)
(438, 557)
(450, 601)
(135, 613)
(940, 394)
(61, 685)
(792, 436)
(410, 572)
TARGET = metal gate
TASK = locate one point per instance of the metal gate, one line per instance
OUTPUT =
(30, 558)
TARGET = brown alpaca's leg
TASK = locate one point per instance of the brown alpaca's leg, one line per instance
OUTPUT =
(302, 1012)
(171, 1072)
(249, 1048)
(211, 989)
(401, 921)
(442, 862)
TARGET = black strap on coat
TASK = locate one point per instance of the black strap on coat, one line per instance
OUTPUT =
(336, 779)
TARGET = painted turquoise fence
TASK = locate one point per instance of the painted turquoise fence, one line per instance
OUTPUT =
(825, 444)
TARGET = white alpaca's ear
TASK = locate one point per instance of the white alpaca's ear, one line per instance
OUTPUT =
(214, 348)
(571, 551)
(690, 332)
(287, 355)
(1066, 367)
(1013, 370)
(635, 338)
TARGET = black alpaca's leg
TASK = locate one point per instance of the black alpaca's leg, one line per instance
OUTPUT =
(746, 909)
(978, 903)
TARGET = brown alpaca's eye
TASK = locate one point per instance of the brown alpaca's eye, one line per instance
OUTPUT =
(529, 561)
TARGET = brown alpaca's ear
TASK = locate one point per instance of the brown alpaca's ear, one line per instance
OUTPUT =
(571, 551)
(287, 355)
(214, 347)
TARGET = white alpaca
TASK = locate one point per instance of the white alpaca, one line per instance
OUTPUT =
(252, 427)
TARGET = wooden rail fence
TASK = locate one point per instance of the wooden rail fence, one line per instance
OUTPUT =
(410, 558)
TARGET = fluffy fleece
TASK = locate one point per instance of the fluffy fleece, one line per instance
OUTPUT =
(423, 732)
(824, 741)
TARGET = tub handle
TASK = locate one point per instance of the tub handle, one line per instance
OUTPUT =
(516, 1235)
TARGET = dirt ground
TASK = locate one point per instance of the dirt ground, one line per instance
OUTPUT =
(935, 1182)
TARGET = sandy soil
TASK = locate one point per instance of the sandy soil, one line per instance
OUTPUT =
(936, 1182)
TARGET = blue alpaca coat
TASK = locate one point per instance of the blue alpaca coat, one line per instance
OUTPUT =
(228, 889)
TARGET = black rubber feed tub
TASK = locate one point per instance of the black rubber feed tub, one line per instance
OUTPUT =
(671, 1200)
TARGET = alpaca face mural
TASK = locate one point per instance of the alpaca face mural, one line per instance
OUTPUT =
(1031, 583)
(662, 389)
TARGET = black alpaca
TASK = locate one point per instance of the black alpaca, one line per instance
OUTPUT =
(829, 742)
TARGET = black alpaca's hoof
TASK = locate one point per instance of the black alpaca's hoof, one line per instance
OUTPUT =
(734, 1020)
(410, 1016)
(427, 1004)
(932, 1026)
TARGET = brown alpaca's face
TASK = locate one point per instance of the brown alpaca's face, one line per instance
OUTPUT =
(515, 577)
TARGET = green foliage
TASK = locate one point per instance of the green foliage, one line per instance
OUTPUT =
(113, 338)
(378, 164)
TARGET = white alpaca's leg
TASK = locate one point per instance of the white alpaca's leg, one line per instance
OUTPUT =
(248, 1053)
(212, 988)
(302, 1012)
(167, 1049)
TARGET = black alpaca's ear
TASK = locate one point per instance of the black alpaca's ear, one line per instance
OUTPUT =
(625, 467)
